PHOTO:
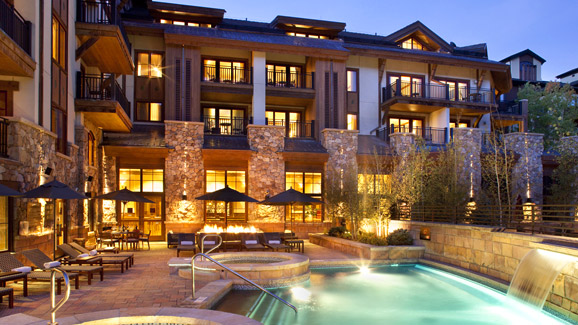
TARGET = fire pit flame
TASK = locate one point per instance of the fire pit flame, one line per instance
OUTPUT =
(230, 229)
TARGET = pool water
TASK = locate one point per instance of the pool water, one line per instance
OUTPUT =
(407, 294)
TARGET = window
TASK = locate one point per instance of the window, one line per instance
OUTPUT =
(527, 71)
(59, 81)
(455, 124)
(308, 183)
(290, 120)
(373, 183)
(4, 224)
(4, 103)
(407, 86)
(91, 150)
(149, 65)
(352, 121)
(352, 80)
(58, 126)
(284, 75)
(307, 35)
(456, 90)
(149, 112)
(141, 180)
(215, 211)
(412, 44)
(185, 23)
(408, 125)
(58, 43)
(225, 71)
(224, 121)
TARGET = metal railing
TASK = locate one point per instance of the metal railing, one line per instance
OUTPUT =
(558, 220)
(437, 91)
(295, 129)
(238, 275)
(15, 26)
(101, 87)
(53, 305)
(101, 12)
(227, 126)
(510, 107)
(214, 248)
(3, 137)
(290, 79)
(227, 75)
(431, 135)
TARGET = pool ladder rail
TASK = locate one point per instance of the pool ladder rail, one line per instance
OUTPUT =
(238, 275)
(216, 246)
(53, 305)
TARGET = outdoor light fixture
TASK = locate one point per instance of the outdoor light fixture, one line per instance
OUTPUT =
(184, 196)
(88, 194)
(47, 171)
(89, 179)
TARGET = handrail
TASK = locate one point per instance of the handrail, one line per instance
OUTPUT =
(239, 275)
(54, 306)
(212, 249)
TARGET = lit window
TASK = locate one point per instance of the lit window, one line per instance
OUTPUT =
(412, 44)
(373, 183)
(152, 180)
(179, 23)
(215, 211)
(352, 121)
(351, 80)
(130, 179)
(224, 71)
(458, 125)
(149, 112)
(308, 183)
(4, 224)
(149, 65)
(164, 21)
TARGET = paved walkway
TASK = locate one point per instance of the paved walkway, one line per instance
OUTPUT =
(146, 284)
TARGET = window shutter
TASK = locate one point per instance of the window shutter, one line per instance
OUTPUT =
(188, 90)
(178, 114)
(327, 98)
(335, 123)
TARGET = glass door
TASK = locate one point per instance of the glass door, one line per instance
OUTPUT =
(61, 223)
(144, 216)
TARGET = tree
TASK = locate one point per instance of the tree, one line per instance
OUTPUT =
(552, 111)
(565, 177)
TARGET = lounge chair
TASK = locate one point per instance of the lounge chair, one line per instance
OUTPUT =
(252, 242)
(15, 276)
(273, 241)
(186, 243)
(74, 257)
(10, 293)
(209, 242)
(8, 262)
(84, 250)
(38, 258)
(231, 241)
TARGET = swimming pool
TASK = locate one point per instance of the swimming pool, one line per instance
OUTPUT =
(405, 294)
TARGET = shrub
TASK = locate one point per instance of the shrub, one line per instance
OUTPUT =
(399, 237)
(337, 231)
(371, 239)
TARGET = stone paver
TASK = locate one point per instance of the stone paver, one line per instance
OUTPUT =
(146, 284)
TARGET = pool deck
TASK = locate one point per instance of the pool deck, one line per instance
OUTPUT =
(147, 284)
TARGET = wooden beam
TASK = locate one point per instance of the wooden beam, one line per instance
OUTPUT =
(381, 66)
(480, 77)
(81, 50)
(432, 70)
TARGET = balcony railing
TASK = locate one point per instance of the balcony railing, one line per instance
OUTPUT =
(227, 126)
(291, 79)
(510, 107)
(431, 135)
(102, 12)
(101, 87)
(227, 75)
(12, 23)
(295, 129)
(3, 137)
(437, 91)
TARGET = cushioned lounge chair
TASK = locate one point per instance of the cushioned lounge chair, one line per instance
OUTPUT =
(186, 243)
(9, 262)
(252, 242)
(84, 250)
(273, 241)
(231, 241)
(210, 241)
(74, 257)
(38, 258)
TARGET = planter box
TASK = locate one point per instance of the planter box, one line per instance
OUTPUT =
(408, 254)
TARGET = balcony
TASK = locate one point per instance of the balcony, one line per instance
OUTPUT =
(427, 98)
(295, 129)
(227, 75)
(227, 125)
(226, 84)
(290, 79)
(15, 43)
(104, 42)
(431, 135)
(510, 107)
(103, 101)
(290, 88)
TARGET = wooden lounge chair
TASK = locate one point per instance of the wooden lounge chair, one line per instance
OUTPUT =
(10, 293)
(75, 258)
(231, 241)
(84, 250)
(186, 243)
(38, 258)
(273, 241)
(9, 262)
(252, 242)
(15, 276)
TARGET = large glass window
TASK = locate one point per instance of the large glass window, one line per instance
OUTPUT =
(4, 224)
(215, 211)
(409, 125)
(352, 80)
(284, 75)
(149, 112)
(141, 180)
(308, 183)
(373, 183)
(290, 120)
(407, 86)
(225, 71)
(412, 44)
(224, 120)
(352, 121)
(58, 43)
(150, 65)
(3, 103)
(91, 149)
(457, 90)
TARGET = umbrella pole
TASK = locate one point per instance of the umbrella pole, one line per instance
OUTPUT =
(54, 226)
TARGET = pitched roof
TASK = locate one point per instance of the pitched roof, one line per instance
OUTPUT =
(424, 34)
(567, 73)
(524, 52)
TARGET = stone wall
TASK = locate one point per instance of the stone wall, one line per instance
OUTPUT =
(109, 181)
(266, 171)
(468, 144)
(496, 254)
(402, 143)
(527, 172)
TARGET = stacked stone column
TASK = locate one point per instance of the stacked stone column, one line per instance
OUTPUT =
(527, 171)
(468, 145)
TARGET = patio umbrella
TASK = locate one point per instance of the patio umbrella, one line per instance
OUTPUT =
(7, 191)
(125, 195)
(290, 197)
(54, 190)
(226, 195)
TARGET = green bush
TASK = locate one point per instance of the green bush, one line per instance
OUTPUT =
(399, 237)
(371, 239)
(337, 232)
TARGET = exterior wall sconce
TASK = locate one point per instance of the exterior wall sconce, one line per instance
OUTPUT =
(47, 171)
(425, 233)
(89, 179)
(88, 194)
(184, 196)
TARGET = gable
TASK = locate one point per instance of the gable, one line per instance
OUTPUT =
(425, 36)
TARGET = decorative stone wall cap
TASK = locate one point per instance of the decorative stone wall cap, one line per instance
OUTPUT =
(340, 131)
(572, 137)
(18, 119)
(526, 134)
(399, 134)
(257, 126)
(74, 146)
(63, 156)
(184, 122)
(464, 130)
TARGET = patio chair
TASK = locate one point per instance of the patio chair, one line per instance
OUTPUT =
(8, 262)
(108, 239)
(15, 276)
(273, 241)
(38, 258)
(209, 243)
(74, 257)
(132, 239)
(10, 293)
(186, 243)
(84, 250)
(252, 242)
(145, 238)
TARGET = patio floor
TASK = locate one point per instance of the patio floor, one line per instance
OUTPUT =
(146, 284)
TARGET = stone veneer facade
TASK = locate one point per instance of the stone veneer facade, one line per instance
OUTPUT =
(527, 171)
(468, 144)
(342, 148)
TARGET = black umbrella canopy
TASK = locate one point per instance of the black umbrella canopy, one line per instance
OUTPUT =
(54, 190)
(290, 196)
(226, 194)
(124, 195)
(7, 191)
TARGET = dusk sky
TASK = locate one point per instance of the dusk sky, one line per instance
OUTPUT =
(507, 26)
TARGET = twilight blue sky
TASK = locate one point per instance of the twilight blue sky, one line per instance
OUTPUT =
(507, 26)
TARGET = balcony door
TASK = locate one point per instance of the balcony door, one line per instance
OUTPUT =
(290, 120)
(224, 120)
(408, 86)
(407, 125)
